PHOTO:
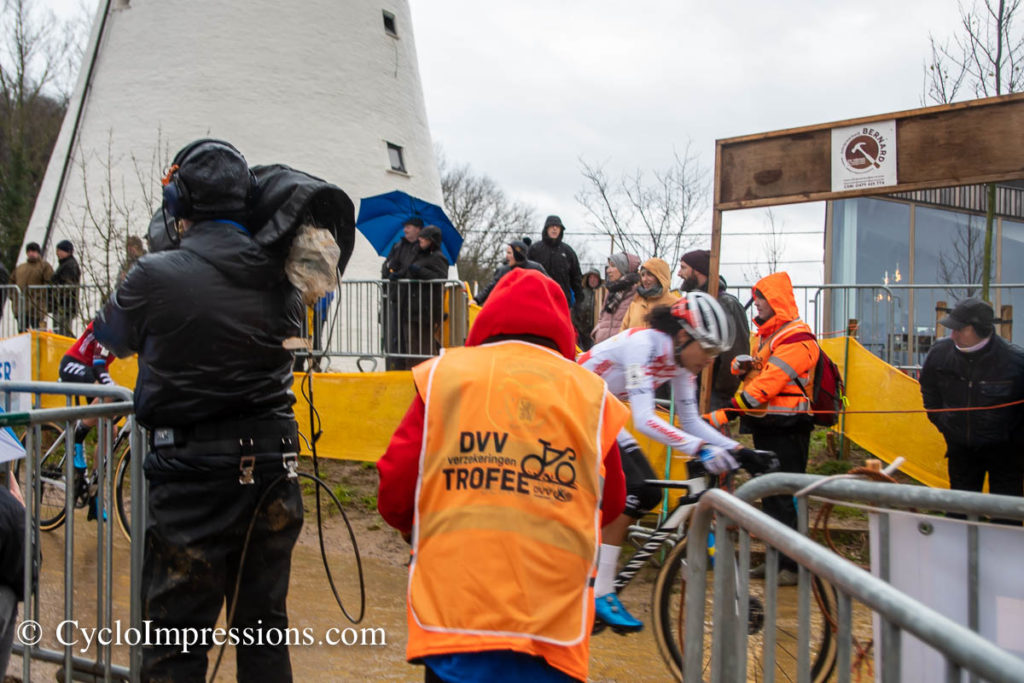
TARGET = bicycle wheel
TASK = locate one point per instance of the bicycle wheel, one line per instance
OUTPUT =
(669, 612)
(51, 469)
(122, 455)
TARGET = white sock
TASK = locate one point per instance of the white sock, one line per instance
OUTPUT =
(607, 565)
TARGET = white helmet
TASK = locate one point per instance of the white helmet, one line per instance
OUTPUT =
(704, 320)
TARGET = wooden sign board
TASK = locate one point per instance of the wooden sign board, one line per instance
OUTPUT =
(955, 144)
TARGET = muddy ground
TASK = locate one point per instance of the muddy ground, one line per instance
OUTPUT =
(377, 643)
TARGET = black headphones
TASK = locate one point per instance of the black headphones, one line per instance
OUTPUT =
(176, 195)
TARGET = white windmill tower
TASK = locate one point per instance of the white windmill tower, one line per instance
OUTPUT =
(328, 87)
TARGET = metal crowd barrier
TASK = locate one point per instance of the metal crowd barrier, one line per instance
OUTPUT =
(962, 648)
(102, 665)
(393, 323)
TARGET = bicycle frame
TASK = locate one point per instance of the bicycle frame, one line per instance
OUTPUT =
(673, 525)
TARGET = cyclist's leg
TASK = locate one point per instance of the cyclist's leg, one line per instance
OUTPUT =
(640, 498)
(74, 372)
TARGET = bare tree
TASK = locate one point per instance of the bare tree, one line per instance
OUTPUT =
(772, 250)
(986, 56)
(484, 215)
(961, 261)
(116, 205)
(647, 214)
(38, 60)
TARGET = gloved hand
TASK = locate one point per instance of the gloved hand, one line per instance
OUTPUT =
(105, 378)
(756, 462)
(716, 460)
(717, 419)
(415, 268)
(742, 364)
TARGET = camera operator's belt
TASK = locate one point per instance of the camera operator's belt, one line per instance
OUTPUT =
(242, 437)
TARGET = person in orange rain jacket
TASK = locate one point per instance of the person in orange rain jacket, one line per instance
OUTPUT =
(501, 475)
(773, 398)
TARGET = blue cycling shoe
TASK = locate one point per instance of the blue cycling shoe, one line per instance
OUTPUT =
(610, 612)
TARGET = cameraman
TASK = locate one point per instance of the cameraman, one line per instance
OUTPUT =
(214, 388)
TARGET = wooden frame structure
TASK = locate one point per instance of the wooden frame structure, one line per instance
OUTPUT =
(966, 143)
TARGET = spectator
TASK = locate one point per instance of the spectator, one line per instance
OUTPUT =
(398, 259)
(422, 309)
(12, 564)
(208, 321)
(621, 280)
(65, 291)
(134, 249)
(35, 271)
(693, 268)
(974, 367)
(500, 578)
(515, 257)
(559, 260)
(655, 278)
(583, 317)
(774, 402)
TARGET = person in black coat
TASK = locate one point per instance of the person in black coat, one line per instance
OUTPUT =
(209, 321)
(12, 565)
(515, 257)
(65, 297)
(693, 268)
(558, 260)
(422, 308)
(974, 367)
(402, 254)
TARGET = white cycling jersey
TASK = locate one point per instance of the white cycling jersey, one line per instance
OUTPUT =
(637, 361)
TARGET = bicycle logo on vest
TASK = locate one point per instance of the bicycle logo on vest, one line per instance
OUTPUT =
(535, 467)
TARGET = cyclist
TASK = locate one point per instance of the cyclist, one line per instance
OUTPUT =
(86, 362)
(681, 341)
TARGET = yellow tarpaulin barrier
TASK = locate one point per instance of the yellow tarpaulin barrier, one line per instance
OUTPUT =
(360, 411)
(873, 384)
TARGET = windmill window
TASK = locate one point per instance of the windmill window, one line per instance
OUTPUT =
(389, 24)
(396, 158)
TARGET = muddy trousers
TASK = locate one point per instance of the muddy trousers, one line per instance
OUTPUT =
(195, 530)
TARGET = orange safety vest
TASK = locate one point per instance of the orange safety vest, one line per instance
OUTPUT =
(778, 367)
(507, 524)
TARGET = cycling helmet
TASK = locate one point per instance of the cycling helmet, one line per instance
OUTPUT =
(704, 320)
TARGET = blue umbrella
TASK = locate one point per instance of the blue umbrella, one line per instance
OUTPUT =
(381, 218)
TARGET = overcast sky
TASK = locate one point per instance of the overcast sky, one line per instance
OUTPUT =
(523, 90)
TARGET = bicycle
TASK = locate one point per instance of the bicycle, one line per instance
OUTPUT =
(669, 593)
(51, 470)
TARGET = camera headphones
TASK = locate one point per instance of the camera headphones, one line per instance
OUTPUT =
(179, 201)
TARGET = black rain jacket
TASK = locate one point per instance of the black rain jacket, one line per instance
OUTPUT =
(208, 321)
(560, 263)
(991, 376)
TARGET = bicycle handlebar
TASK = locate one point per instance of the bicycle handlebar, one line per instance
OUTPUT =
(757, 462)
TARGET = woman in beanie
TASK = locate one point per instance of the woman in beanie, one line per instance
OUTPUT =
(622, 279)
(515, 257)
(422, 310)
(655, 278)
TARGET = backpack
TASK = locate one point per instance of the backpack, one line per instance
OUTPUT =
(828, 391)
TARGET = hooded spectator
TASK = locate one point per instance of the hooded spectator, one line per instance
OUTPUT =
(559, 260)
(655, 278)
(515, 257)
(620, 286)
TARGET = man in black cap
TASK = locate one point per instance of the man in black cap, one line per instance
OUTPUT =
(65, 295)
(396, 296)
(693, 268)
(209, 321)
(976, 368)
(34, 271)
(558, 260)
